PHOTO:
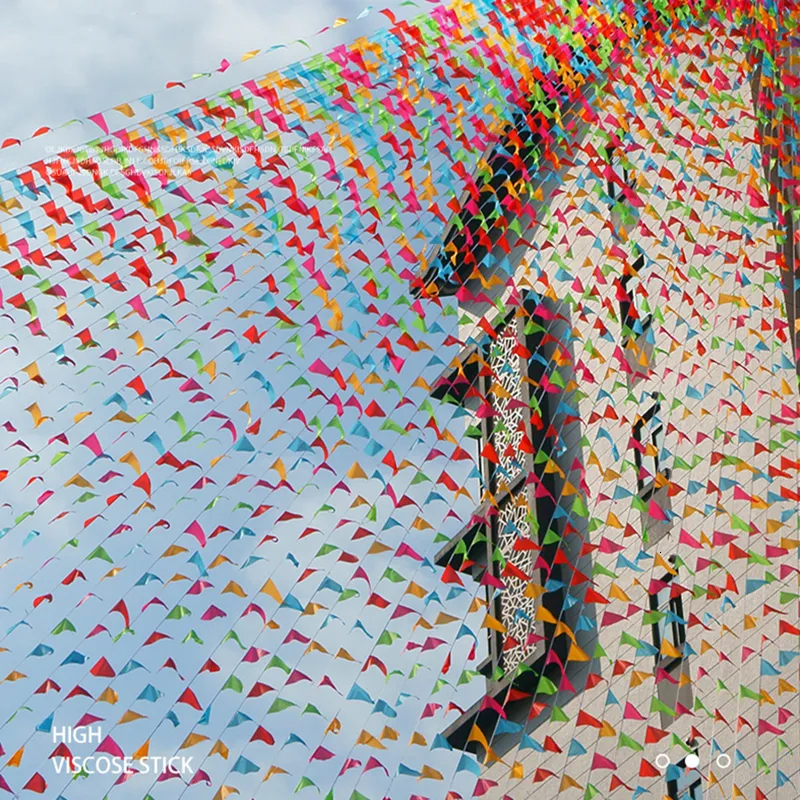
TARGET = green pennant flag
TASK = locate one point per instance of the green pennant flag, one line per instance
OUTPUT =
(99, 552)
(598, 569)
(391, 425)
(466, 676)
(387, 637)
(748, 693)
(233, 683)
(676, 741)
(546, 686)
(280, 704)
(657, 705)
(179, 612)
(304, 783)
(275, 661)
(64, 625)
(626, 741)
(599, 652)
(626, 638)
(579, 506)
(231, 634)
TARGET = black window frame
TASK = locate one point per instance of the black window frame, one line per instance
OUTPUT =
(454, 388)
(461, 252)
(675, 606)
(627, 321)
(611, 185)
(689, 792)
(647, 489)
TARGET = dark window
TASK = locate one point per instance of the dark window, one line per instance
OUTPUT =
(669, 626)
(630, 318)
(497, 376)
(617, 173)
(517, 157)
(688, 785)
(647, 431)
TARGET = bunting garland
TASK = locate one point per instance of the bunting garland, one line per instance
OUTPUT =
(417, 421)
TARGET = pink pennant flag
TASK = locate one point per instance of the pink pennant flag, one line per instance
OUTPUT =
(93, 444)
(686, 538)
(195, 530)
(108, 745)
(656, 512)
(100, 121)
(601, 762)
(765, 727)
(138, 306)
(631, 712)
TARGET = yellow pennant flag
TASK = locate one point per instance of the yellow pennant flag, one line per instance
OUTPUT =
(273, 770)
(415, 589)
(356, 471)
(270, 589)
(342, 653)
(430, 772)
(79, 480)
(568, 783)
(192, 739)
(365, 737)
(225, 791)
(221, 748)
(495, 624)
(130, 716)
(334, 727)
(38, 417)
(109, 696)
(133, 462)
(144, 750)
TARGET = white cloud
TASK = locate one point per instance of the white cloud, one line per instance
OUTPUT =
(63, 61)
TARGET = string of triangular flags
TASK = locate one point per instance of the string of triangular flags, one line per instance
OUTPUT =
(329, 155)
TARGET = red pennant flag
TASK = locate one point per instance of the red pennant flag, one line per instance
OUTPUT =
(36, 784)
(102, 669)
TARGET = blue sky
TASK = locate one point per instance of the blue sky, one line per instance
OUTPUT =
(64, 61)
(93, 78)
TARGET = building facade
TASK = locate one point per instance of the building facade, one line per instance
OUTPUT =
(630, 377)
(271, 550)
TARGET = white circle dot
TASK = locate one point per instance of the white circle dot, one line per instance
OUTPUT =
(692, 761)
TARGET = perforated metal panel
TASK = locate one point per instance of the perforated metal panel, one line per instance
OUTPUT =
(517, 610)
(506, 398)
